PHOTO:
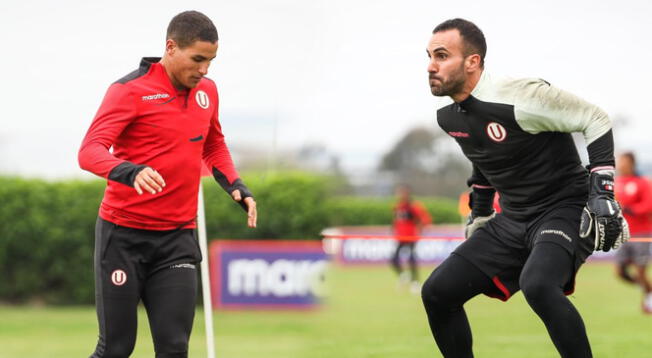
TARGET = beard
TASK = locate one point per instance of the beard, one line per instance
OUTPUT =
(454, 84)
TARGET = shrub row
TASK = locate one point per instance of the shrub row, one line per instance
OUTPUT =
(47, 228)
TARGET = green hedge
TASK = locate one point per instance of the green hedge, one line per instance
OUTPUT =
(290, 206)
(377, 211)
(46, 239)
(47, 228)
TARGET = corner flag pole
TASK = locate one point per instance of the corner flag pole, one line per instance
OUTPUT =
(205, 276)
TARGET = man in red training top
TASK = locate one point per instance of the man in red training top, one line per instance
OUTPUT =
(635, 196)
(409, 217)
(162, 122)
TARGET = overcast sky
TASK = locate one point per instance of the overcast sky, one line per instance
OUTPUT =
(350, 75)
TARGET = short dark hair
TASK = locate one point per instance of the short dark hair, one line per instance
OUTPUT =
(474, 41)
(630, 156)
(190, 26)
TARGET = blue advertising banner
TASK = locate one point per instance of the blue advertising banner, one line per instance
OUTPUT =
(364, 245)
(376, 245)
(267, 274)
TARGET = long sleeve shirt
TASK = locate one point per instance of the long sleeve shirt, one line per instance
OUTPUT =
(145, 121)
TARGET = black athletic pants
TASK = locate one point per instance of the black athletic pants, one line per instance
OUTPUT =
(412, 260)
(158, 267)
(542, 280)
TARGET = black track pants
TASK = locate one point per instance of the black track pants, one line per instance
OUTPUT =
(412, 260)
(157, 267)
(546, 272)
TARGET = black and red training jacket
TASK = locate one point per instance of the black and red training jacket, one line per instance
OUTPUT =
(148, 122)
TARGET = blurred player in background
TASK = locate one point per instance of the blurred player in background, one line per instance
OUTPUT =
(635, 196)
(161, 120)
(409, 218)
(555, 213)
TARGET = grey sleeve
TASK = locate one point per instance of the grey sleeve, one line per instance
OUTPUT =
(540, 107)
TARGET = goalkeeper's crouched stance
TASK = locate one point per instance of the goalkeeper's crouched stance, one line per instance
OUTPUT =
(555, 213)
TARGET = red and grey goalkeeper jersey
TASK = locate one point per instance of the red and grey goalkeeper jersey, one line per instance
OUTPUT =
(148, 122)
(516, 132)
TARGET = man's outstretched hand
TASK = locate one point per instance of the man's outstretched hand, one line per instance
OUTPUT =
(252, 214)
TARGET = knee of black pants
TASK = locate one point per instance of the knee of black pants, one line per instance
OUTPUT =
(434, 292)
(174, 347)
(533, 289)
(453, 282)
(547, 271)
(539, 288)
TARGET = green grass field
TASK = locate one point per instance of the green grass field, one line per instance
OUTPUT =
(365, 316)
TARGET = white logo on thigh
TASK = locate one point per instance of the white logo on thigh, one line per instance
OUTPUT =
(556, 232)
(496, 132)
(202, 99)
(118, 277)
(188, 266)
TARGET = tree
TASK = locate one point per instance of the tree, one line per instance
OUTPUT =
(429, 162)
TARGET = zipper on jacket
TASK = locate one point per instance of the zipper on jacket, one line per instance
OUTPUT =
(183, 94)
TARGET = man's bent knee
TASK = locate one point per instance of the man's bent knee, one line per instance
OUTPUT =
(435, 292)
(538, 289)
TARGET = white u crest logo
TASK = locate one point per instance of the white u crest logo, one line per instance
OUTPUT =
(118, 277)
(496, 132)
(202, 99)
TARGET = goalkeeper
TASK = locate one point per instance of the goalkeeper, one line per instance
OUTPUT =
(555, 212)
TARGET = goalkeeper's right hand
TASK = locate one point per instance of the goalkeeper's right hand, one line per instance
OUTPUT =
(481, 201)
(474, 223)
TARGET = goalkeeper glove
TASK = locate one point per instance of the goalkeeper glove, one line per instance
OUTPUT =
(481, 203)
(602, 220)
(474, 223)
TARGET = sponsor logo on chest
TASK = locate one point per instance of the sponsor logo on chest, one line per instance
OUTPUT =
(459, 134)
(153, 97)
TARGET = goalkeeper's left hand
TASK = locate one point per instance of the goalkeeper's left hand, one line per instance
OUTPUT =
(602, 220)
